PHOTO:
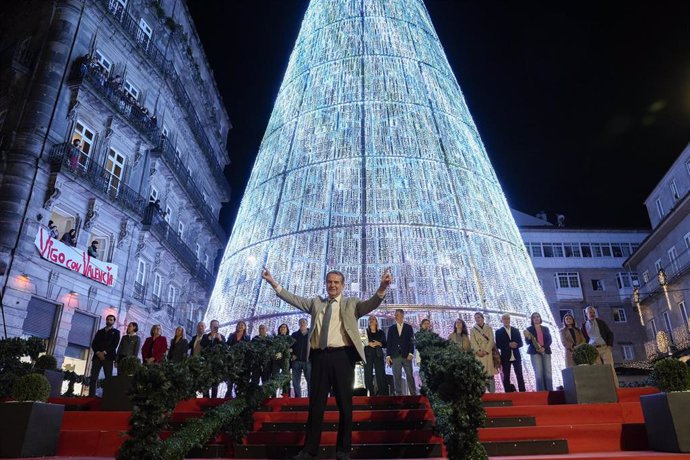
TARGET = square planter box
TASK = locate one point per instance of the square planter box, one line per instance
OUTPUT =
(667, 420)
(589, 384)
(30, 429)
(116, 393)
(55, 379)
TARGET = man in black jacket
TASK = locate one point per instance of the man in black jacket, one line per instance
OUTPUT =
(298, 361)
(509, 342)
(400, 349)
(104, 346)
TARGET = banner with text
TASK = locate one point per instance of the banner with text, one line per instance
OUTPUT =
(75, 259)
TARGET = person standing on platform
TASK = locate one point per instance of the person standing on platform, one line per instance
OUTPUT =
(400, 348)
(571, 336)
(178, 346)
(335, 346)
(104, 346)
(129, 343)
(460, 336)
(298, 361)
(376, 342)
(240, 334)
(482, 340)
(509, 342)
(598, 333)
(281, 363)
(153, 351)
(425, 325)
(213, 339)
(539, 351)
(197, 342)
(261, 370)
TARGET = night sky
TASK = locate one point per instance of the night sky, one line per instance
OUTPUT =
(582, 106)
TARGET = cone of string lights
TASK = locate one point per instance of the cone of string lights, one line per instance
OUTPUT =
(371, 160)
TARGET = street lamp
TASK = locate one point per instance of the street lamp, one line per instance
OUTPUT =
(636, 302)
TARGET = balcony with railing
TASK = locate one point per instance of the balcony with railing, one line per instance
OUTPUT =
(65, 157)
(174, 163)
(672, 270)
(118, 99)
(167, 236)
(148, 48)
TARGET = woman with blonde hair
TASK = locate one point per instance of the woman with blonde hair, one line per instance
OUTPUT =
(483, 345)
(571, 336)
(155, 346)
(178, 346)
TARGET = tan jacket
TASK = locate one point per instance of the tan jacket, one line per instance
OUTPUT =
(569, 344)
(351, 309)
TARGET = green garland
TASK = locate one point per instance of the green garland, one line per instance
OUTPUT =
(157, 389)
(454, 381)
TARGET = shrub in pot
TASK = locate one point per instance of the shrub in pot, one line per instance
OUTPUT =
(667, 414)
(116, 389)
(588, 382)
(35, 425)
(47, 365)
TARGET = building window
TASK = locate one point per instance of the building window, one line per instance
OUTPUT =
(571, 249)
(553, 249)
(80, 335)
(659, 208)
(131, 89)
(172, 295)
(657, 265)
(157, 282)
(684, 313)
(140, 279)
(565, 311)
(86, 137)
(586, 250)
(652, 326)
(103, 247)
(616, 250)
(168, 214)
(601, 249)
(166, 132)
(686, 238)
(567, 280)
(144, 34)
(206, 261)
(102, 61)
(197, 251)
(645, 276)
(628, 352)
(597, 285)
(667, 322)
(115, 165)
(153, 194)
(673, 258)
(40, 320)
(619, 315)
(627, 280)
(117, 7)
(674, 191)
(180, 229)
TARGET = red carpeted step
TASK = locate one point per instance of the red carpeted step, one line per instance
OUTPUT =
(574, 414)
(358, 437)
(79, 403)
(633, 394)
(90, 443)
(533, 398)
(95, 420)
(604, 437)
(634, 455)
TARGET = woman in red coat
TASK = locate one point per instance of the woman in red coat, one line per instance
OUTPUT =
(155, 346)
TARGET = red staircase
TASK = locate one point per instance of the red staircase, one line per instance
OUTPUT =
(534, 426)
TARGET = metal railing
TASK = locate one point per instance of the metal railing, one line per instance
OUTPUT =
(166, 67)
(673, 270)
(160, 228)
(677, 341)
(167, 151)
(139, 291)
(66, 157)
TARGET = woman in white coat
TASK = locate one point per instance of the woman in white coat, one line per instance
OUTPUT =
(482, 341)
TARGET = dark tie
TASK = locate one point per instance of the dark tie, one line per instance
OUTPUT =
(323, 336)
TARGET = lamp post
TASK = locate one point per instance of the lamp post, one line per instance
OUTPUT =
(636, 302)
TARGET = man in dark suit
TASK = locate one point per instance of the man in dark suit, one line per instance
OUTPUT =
(335, 346)
(104, 345)
(400, 350)
(509, 342)
(212, 339)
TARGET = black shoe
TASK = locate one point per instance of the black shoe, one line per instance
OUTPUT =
(342, 456)
(302, 455)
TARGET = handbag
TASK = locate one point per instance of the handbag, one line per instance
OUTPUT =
(495, 355)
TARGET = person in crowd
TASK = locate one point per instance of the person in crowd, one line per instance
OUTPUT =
(400, 350)
(262, 370)
(281, 363)
(539, 350)
(75, 153)
(298, 361)
(52, 228)
(196, 345)
(571, 336)
(373, 352)
(482, 340)
(425, 325)
(460, 336)
(93, 249)
(129, 343)
(240, 334)
(70, 238)
(509, 342)
(213, 339)
(155, 346)
(104, 346)
(596, 332)
(334, 348)
(178, 346)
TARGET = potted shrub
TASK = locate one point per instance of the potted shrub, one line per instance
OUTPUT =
(47, 365)
(31, 426)
(667, 414)
(588, 382)
(116, 388)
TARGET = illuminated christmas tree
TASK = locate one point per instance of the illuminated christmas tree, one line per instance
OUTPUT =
(372, 160)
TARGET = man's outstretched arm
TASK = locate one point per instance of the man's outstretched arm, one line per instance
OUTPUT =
(296, 301)
(366, 306)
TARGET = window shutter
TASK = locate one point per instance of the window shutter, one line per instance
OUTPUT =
(82, 329)
(40, 318)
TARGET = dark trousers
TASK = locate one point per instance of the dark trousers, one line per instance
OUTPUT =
(331, 369)
(96, 366)
(517, 366)
(299, 367)
(375, 364)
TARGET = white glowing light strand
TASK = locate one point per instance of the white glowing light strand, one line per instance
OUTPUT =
(372, 160)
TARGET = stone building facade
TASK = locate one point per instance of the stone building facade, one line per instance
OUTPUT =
(663, 262)
(581, 267)
(111, 125)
